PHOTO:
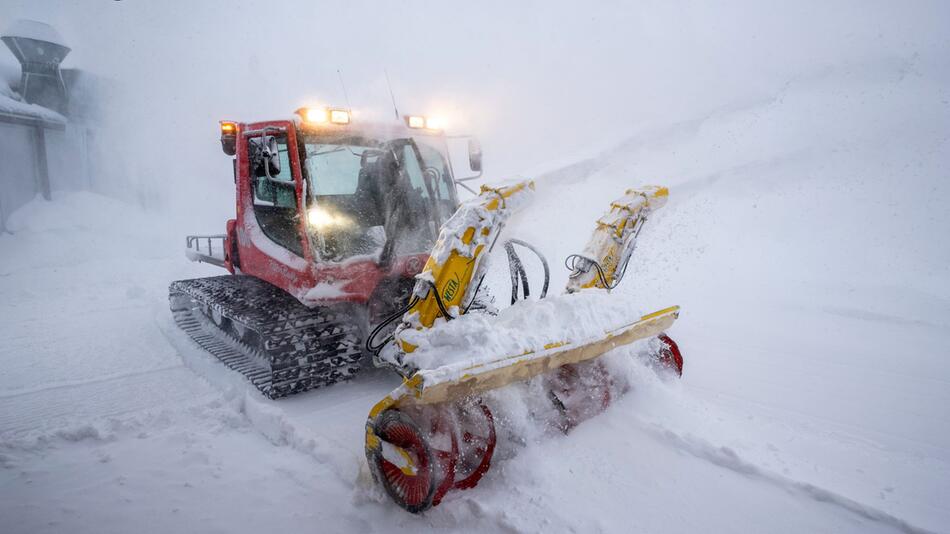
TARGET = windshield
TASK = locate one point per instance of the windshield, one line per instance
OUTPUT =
(337, 166)
(364, 194)
(343, 210)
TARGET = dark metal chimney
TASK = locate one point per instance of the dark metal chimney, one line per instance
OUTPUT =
(40, 50)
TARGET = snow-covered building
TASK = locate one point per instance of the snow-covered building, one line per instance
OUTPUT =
(46, 117)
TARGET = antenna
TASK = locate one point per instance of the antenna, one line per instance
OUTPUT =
(345, 96)
(391, 95)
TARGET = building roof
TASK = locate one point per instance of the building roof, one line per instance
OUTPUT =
(32, 29)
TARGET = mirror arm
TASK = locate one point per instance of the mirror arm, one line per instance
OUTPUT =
(282, 183)
(264, 130)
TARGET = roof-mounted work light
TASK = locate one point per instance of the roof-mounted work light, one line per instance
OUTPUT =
(324, 115)
(418, 122)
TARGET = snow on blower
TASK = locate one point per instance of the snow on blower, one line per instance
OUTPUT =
(341, 226)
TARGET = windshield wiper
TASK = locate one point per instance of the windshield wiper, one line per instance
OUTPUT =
(332, 150)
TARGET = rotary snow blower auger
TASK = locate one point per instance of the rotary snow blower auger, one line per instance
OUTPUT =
(435, 432)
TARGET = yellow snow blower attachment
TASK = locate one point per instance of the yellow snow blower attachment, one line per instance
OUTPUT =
(434, 433)
(605, 258)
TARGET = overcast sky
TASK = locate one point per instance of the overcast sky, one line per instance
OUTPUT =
(537, 81)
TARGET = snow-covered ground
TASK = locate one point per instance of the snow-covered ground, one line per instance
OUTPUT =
(804, 239)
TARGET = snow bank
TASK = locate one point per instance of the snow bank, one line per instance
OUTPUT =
(803, 241)
(80, 212)
(85, 227)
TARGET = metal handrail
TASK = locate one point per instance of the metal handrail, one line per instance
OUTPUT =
(193, 244)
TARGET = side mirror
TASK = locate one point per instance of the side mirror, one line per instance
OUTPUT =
(264, 159)
(229, 144)
(465, 156)
(475, 155)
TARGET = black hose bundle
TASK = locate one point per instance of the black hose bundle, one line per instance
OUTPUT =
(571, 263)
(517, 270)
(376, 347)
(518, 273)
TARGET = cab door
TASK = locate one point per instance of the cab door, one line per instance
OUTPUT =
(271, 235)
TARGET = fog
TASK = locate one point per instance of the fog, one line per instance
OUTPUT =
(538, 82)
(806, 149)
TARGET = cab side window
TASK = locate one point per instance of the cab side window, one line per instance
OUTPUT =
(275, 203)
(269, 194)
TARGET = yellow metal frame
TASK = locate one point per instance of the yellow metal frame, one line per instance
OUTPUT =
(460, 381)
(455, 262)
(615, 236)
(457, 255)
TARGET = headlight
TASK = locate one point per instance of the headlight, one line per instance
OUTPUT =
(428, 123)
(324, 115)
(315, 115)
(339, 116)
(323, 219)
(435, 123)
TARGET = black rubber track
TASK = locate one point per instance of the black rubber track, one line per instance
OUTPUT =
(259, 330)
